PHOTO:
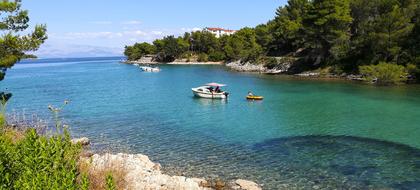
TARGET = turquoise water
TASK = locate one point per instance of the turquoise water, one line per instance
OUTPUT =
(304, 134)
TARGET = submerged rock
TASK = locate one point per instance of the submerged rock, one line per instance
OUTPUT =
(247, 185)
(83, 141)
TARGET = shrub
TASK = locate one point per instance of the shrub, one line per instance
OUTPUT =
(202, 57)
(217, 56)
(2, 120)
(110, 184)
(413, 70)
(384, 73)
(269, 62)
(38, 162)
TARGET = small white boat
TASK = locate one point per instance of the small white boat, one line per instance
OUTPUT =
(136, 64)
(150, 69)
(211, 91)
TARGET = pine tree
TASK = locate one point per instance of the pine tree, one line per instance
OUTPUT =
(13, 46)
(327, 29)
(391, 30)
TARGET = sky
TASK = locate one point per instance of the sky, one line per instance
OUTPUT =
(79, 28)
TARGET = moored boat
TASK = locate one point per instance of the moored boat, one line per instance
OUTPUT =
(254, 97)
(149, 69)
(211, 91)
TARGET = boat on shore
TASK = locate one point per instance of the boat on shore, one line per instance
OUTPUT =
(150, 69)
(210, 91)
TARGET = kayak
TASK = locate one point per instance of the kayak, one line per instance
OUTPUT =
(254, 97)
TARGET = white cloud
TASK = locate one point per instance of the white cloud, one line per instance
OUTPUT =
(98, 43)
(131, 22)
(157, 32)
(190, 29)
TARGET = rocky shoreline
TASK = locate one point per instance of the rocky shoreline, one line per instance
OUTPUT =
(281, 68)
(139, 172)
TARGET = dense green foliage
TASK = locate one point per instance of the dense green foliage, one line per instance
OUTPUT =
(110, 183)
(139, 50)
(38, 162)
(13, 46)
(345, 34)
(384, 73)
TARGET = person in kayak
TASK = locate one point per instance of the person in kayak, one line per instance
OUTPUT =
(250, 93)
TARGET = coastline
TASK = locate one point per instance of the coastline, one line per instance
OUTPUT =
(173, 63)
(282, 69)
(195, 63)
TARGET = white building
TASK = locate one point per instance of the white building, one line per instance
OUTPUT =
(219, 31)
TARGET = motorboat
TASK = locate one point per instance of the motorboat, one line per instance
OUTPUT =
(254, 97)
(149, 69)
(211, 91)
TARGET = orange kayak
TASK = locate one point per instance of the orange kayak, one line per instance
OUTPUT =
(254, 97)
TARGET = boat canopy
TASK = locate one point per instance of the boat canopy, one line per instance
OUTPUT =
(213, 84)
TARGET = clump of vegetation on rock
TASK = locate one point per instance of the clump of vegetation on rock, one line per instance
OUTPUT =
(384, 73)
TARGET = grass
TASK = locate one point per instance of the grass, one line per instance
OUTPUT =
(109, 177)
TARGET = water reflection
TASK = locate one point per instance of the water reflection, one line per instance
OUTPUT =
(209, 102)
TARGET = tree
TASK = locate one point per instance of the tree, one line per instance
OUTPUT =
(243, 46)
(169, 48)
(391, 29)
(413, 42)
(13, 45)
(264, 36)
(138, 50)
(327, 30)
(203, 42)
(380, 30)
(287, 26)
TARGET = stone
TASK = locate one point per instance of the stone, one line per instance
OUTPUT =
(86, 154)
(84, 141)
(201, 182)
(247, 185)
(141, 173)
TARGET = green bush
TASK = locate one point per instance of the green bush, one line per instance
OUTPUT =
(269, 62)
(2, 120)
(217, 56)
(384, 73)
(202, 57)
(38, 162)
(110, 183)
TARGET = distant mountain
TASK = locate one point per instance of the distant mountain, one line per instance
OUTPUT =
(57, 51)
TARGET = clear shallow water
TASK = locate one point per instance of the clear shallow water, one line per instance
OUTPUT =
(305, 134)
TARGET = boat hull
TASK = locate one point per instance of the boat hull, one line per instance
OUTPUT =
(150, 69)
(221, 95)
(254, 98)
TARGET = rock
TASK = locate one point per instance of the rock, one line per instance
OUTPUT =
(157, 167)
(220, 184)
(246, 67)
(247, 185)
(141, 173)
(308, 74)
(86, 154)
(201, 182)
(84, 141)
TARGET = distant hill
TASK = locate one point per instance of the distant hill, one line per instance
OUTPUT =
(57, 51)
